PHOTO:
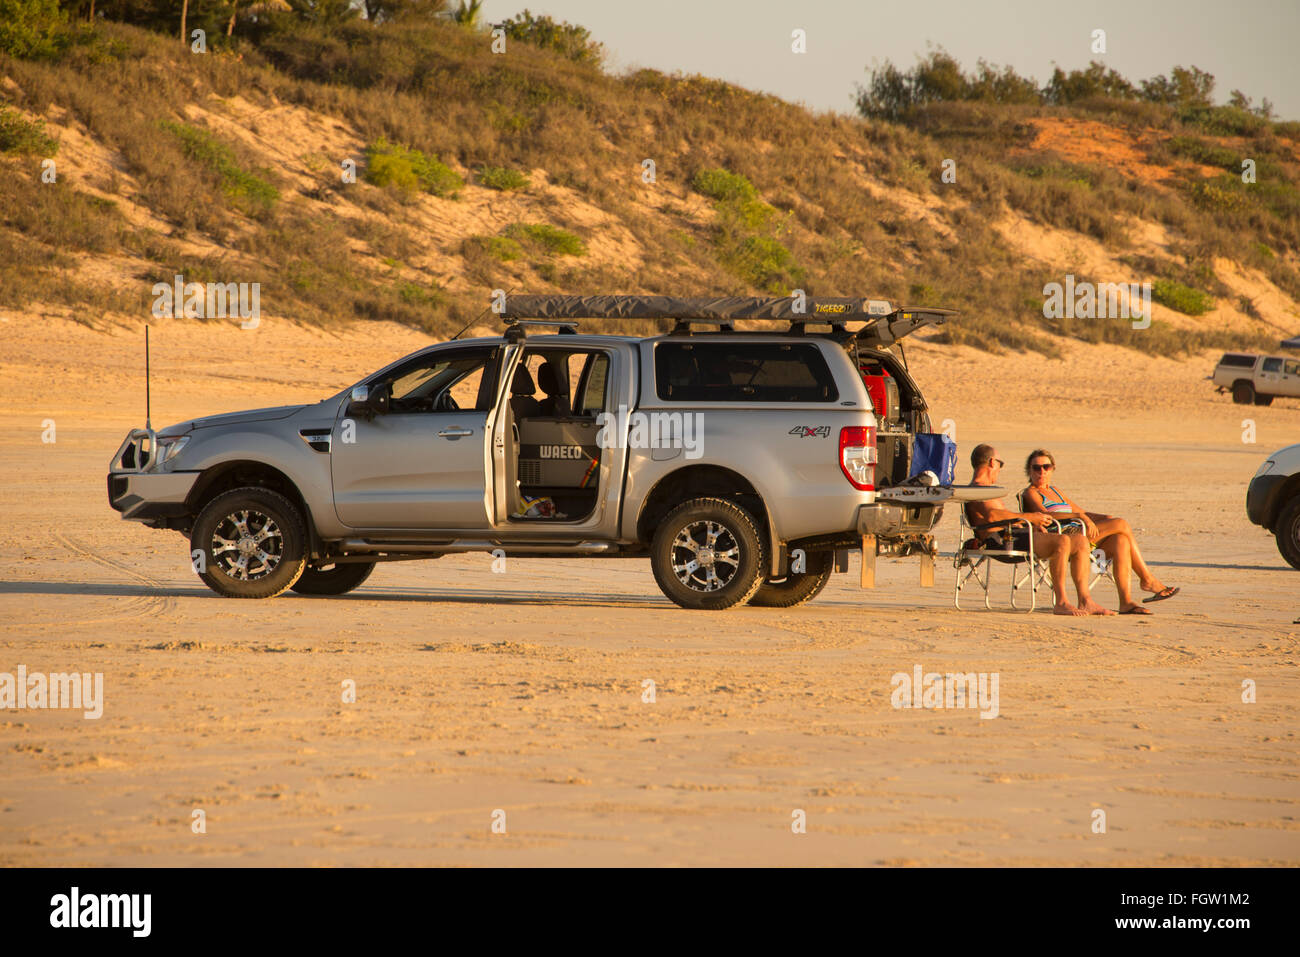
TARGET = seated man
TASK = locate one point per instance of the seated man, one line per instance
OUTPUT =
(1057, 550)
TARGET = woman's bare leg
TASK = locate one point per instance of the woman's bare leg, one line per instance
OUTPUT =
(1108, 525)
(1117, 549)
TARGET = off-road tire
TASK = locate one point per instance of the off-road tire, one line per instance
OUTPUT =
(338, 579)
(1243, 393)
(261, 510)
(695, 520)
(795, 589)
(1287, 532)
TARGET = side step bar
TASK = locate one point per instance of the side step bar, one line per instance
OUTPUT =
(479, 545)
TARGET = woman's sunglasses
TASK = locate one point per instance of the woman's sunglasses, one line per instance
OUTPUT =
(1042, 466)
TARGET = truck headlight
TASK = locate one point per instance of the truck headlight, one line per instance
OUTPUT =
(168, 447)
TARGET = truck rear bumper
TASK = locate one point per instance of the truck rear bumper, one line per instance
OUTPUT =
(886, 519)
(144, 496)
(1263, 499)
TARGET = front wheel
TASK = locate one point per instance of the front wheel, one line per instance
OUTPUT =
(249, 543)
(337, 579)
(797, 587)
(708, 554)
(1287, 532)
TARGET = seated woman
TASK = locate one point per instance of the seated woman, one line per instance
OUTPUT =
(1112, 535)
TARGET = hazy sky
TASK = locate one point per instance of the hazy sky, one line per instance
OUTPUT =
(1247, 44)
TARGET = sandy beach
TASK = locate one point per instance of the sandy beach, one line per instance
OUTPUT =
(523, 692)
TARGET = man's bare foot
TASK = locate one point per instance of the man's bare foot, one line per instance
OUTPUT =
(1133, 608)
(1090, 607)
(1065, 608)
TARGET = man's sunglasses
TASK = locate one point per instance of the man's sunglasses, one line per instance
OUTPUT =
(998, 462)
(1042, 466)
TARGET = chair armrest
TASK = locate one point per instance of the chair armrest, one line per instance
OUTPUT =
(1001, 523)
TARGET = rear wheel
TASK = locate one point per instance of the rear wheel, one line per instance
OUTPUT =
(796, 588)
(249, 543)
(337, 579)
(1243, 393)
(1287, 532)
(708, 554)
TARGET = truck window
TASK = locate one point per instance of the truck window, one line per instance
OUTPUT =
(593, 390)
(1236, 360)
(463, 377)
(1272, 365)
(1293, 367)
(742, 372)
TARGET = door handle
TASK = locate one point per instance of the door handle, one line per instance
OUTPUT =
(455, 432)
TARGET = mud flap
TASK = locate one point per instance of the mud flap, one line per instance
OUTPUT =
(868, 562)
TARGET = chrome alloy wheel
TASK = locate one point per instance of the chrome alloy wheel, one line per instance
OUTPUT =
(705, 556)
(247, 545)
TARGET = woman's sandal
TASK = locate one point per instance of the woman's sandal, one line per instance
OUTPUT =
(1164, 593)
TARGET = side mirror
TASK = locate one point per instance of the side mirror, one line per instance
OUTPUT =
(359, 402)
(367, 402)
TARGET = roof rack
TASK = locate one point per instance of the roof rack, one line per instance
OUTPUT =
(517, 329)
(883, 323)
(716, 310)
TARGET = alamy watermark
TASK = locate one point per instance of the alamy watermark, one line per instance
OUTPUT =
(79, 691)
(75, 909)
(651, 430)
(940, 690)
(208, 300)
(1107, 300)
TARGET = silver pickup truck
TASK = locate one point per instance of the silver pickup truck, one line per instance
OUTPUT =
(744, 464)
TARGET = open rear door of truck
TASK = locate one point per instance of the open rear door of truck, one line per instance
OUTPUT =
(886, 330)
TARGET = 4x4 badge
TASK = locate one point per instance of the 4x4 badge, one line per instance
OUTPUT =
(804, 431)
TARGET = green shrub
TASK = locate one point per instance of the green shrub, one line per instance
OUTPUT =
(414, 294)
(245, 190)
(409, 170)
(566, 39)
(764, 262)
(498, 247)
(724, 186)
(1222, 195)
(1184, 299)
(32, 29)
(550, 239)
(1208, 154)
(747, 232)
(18, 135)
(499, 177)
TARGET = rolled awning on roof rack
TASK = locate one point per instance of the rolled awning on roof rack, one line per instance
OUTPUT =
(725, 308)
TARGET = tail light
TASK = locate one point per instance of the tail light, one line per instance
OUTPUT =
(858, 456)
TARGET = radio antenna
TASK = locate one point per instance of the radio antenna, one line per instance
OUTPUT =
(146, 377)
(476, 319)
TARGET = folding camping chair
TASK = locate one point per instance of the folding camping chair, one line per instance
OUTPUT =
(974, 560)
(1102, 564)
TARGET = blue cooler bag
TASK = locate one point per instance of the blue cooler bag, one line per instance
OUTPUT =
(935, 452)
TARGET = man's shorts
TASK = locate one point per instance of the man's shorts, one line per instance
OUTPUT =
(1019, 541)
